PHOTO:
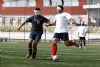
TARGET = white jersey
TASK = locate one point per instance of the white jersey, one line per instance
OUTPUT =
(62, 22)
(82, 31)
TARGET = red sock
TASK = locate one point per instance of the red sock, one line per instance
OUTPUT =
(54, 49)
(71, 43)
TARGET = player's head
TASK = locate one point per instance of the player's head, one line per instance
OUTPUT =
(37, 11)
(82, 23)
(60, 9)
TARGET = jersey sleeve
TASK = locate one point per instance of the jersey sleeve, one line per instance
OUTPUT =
(68, 16)
(28, 20)
(45, 19)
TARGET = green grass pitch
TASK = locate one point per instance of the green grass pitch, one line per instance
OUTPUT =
(14, 55)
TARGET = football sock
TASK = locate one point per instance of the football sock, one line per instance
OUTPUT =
(71, 43)
(34, 55)
(81, 45)
(54, 49)
(29, 52)
(84, 43)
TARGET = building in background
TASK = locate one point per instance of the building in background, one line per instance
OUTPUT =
(93, 10)
(24, 8)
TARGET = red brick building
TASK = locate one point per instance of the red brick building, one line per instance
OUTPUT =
(74, 9)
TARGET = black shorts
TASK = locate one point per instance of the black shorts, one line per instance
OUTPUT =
(82, 38)
(62, 36)
(35, 36)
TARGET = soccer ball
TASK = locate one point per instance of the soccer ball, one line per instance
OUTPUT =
(55, 58)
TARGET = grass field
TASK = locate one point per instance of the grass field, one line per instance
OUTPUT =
(13, 55)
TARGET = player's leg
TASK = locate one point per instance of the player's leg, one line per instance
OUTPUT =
(35, 43)
(54, 48)
(71, 43)
(56, 38)
(30, 41)
(80, 42)
(34, 51)
(65, 38)
(54, 45)
(68, 42)
(84, 42)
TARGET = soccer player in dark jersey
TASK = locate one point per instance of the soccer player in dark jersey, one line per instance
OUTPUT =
(37, 22)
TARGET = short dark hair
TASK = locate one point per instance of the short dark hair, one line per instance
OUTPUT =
(37, 8)
(61, 6)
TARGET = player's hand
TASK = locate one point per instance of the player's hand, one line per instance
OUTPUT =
(46, 25)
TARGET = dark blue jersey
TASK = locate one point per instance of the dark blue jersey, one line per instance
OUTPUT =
(37, 23)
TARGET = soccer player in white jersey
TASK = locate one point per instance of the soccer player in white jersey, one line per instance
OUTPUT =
(81, 34)
(61, 22)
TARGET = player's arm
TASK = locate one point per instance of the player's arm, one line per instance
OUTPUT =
(28, 20)
(71, 20)
(21, 26)
(50, 23)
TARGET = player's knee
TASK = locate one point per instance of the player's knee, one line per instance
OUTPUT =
(55, 40)
(66, 43)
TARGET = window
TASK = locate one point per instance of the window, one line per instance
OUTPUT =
(56, 2)
(67, 2)
(71, 2)
(47, 2)
(31, 2)
(52, 2)
(75, 2)
(61, 2)
(19, 3)
(8, 3)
